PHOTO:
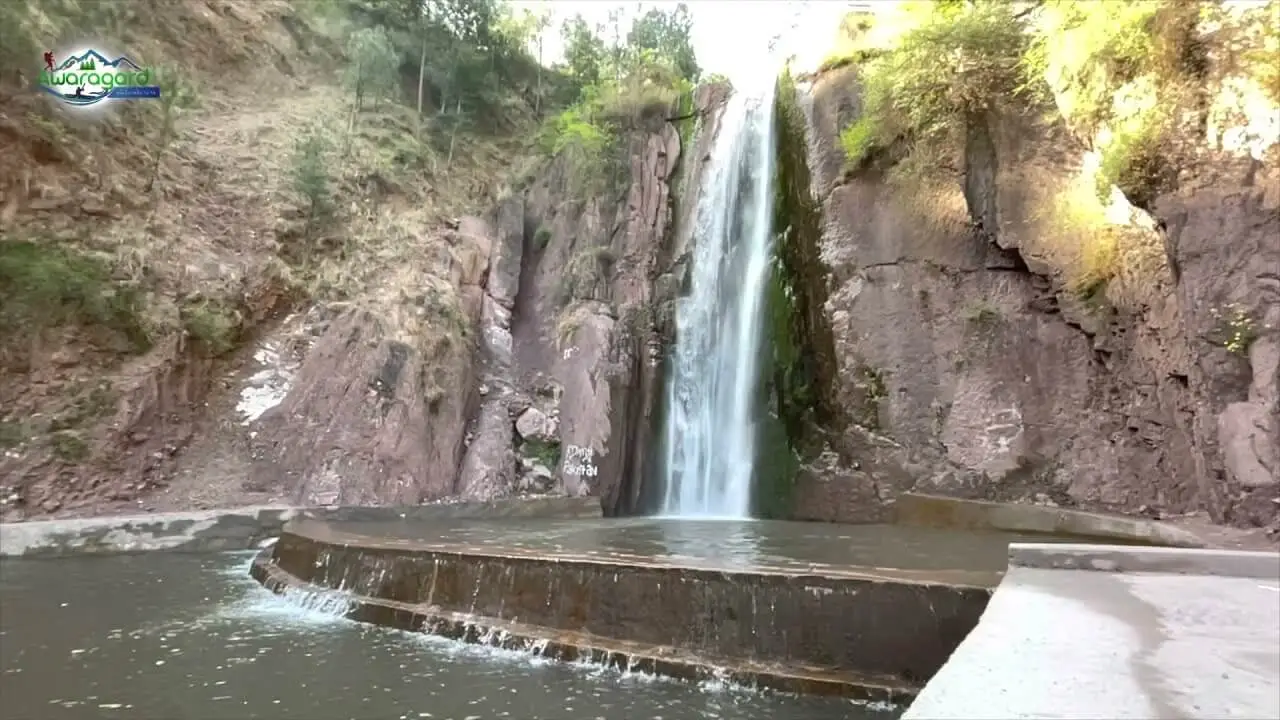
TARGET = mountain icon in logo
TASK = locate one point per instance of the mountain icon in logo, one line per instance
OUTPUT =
(89, 77)
(93, 60)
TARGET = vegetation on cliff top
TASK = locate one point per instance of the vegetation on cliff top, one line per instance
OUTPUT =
(1127, 77)
(1123, 66)
(958, 63)
(623, 82)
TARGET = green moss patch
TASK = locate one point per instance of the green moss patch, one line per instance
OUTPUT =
(48, 285)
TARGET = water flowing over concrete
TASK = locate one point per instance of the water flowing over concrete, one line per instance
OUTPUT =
(166, 635)
(794, 608)
(711, 404)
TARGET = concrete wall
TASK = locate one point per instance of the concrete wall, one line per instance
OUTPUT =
(860, 623)
(246, 528)
(950, 513)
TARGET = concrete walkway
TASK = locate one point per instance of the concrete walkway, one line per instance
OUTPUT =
(1095, 631)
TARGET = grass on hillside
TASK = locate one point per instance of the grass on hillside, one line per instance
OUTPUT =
(49, 285)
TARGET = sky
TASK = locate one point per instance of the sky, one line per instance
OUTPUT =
(730, 37)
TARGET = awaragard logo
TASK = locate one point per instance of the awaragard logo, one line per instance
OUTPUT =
(87, 78)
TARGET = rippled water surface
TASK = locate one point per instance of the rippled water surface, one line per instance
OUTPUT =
(187, 637)
(726, 544)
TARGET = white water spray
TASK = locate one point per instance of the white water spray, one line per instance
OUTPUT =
(711, 402)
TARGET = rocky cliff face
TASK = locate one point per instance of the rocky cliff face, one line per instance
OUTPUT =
(535, 369)
(592, 312)
(377, 412)
(959, 362)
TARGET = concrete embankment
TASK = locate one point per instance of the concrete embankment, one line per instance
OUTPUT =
(248, 527)
(955, 514)
(1078, 631)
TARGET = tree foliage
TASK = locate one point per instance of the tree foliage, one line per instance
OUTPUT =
(624, 80)
(373, 65)
(1123, 65)
(467, 59)
(667, 35)
(584, 52)
(311, 175)
(961, 61)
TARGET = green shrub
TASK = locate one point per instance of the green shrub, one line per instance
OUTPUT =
(47, 285)
(542, 237)
(69, 447)
(1085, 50)
(835, 61)
(1136, 161)
(311, 173)
(959, 63)
(590, 134)
(213, 325)
(981, 312)
(1263, 62)
(177, 94)
(858, 141)
(546, 452)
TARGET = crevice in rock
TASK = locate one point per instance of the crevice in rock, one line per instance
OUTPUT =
(981, 167)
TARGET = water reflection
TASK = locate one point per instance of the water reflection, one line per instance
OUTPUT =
(714, 543)
(722, 544)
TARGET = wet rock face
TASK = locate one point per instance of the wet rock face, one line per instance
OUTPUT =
(965, 368)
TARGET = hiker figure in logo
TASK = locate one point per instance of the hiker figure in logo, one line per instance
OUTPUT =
(48, 61)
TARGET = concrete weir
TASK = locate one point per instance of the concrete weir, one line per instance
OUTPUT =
(857, 632)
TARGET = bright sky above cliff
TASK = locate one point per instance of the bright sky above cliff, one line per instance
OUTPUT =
(731, 37)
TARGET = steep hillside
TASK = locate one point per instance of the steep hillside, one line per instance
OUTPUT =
(147, 253)
(359, 252)
(1043, 263)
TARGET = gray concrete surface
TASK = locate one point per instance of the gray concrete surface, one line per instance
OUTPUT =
(1171, 561)
(954, 513)
(246, 528)
(1080, 643)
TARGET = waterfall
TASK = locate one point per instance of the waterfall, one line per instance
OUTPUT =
(711, 402)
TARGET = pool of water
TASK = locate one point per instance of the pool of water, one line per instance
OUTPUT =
(192, 637)
(729, 544)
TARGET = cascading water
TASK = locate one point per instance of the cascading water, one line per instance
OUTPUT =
(711, 403)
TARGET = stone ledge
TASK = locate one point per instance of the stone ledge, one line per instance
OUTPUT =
(246, 528)
(1123, 559)
(956, 514)
(861, 622)
(568, 646)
